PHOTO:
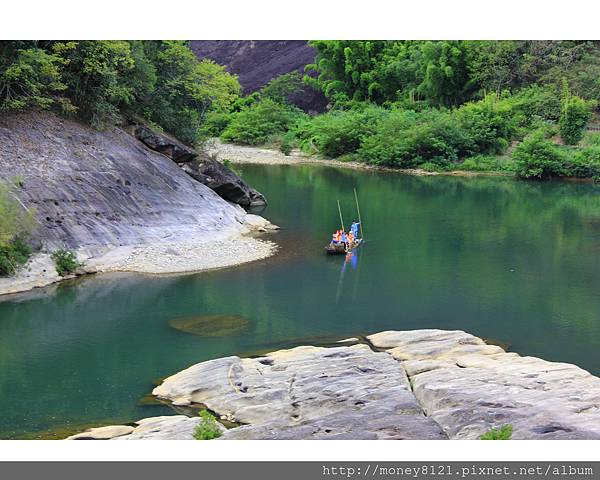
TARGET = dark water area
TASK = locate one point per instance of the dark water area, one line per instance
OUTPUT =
(518, 262)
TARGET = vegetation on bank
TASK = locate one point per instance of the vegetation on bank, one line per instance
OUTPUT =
(65, 262)
(16, 224)
(100, 82)
(516, 107)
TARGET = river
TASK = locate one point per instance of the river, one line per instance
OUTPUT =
(516, 262)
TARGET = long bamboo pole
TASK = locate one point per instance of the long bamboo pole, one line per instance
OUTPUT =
(341, 219)
(362, 235)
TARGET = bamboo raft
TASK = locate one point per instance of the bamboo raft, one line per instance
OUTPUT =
(339, 248)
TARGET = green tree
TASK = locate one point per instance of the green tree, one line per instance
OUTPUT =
(97, 74)
(576, 113)
(31, 78)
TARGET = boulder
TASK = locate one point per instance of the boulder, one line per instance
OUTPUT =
(467, 387)
(224, 182)
(165, 144)
(306, 392)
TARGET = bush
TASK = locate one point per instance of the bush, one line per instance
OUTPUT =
(256, 124)
(575, 115)
(537, 157)
(502, 433)
(13, 255)
(339, 132)
(585, 163)
(214, 124)
(207, 428)
(16, 223)
(65, 262)
(406, 139)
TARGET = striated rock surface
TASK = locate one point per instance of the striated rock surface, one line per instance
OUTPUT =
(306, 392)
(94, 188)
(467, 387)
(422, 384)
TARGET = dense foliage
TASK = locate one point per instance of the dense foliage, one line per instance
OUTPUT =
(101, 81)
(441, 105)
(16, 224)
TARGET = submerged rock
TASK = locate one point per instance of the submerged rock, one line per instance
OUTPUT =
(210, 325)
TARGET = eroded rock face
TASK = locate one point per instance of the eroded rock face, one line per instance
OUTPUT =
(467, 387)
(306, 392)
(93, 188)
(222, 180)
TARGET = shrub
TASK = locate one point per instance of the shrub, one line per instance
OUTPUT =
(65, 262)
(502, 433)
(537, 157)
(214, 124)
(256, 124)
(339, 132)
(16, 223)
(406, 139)
(585, 162)
(13, 255)
(207, 428)
(575, 115)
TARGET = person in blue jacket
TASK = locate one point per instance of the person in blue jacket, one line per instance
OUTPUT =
(354, 228)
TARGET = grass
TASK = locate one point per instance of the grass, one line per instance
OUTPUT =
(502, 433)
(207, 428)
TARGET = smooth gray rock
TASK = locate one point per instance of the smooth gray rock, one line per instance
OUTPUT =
(306, 392)
(468, 387)
(93, 188)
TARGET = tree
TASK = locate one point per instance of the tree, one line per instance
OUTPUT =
(97, 75)
(31, 78)
(575, 115)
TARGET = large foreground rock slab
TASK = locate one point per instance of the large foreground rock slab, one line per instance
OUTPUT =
(306, 392)
(467, 387)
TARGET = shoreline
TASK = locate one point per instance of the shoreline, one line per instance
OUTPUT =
(257, 155)
(184, 255)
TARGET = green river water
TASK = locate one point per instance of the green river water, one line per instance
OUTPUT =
(517, 262)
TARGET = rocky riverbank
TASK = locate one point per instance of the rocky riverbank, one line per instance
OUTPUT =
(122, 202)
(422, 384)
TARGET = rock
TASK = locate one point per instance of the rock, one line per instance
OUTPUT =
(224, 182)
(258, 223)
(210, 325)
(468, 387)
(93, 189)
(306, 392)
(165, 144)
(103, 433)
(169, 427)
(425, 384)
